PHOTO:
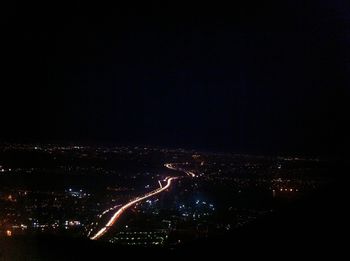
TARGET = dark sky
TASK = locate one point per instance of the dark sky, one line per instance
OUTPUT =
(263, 78)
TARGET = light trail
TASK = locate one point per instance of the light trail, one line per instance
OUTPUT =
(190, 173)
(120, 211)
(170, 166)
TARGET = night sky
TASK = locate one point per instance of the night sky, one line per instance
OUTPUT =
(260, 78)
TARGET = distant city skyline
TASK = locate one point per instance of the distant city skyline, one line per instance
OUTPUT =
(145, 196)
(169, 129)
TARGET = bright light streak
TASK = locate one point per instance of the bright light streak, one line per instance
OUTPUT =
(120, 211)
(170, 166)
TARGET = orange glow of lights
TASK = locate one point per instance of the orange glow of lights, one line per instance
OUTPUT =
(134, 202)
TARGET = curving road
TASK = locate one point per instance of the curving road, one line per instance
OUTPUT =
(121, 210)
(172, 167)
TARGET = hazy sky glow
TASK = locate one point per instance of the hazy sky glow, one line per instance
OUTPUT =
(241, 78)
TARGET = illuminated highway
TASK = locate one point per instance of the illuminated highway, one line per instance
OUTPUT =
(172, 167)
(120, 211)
